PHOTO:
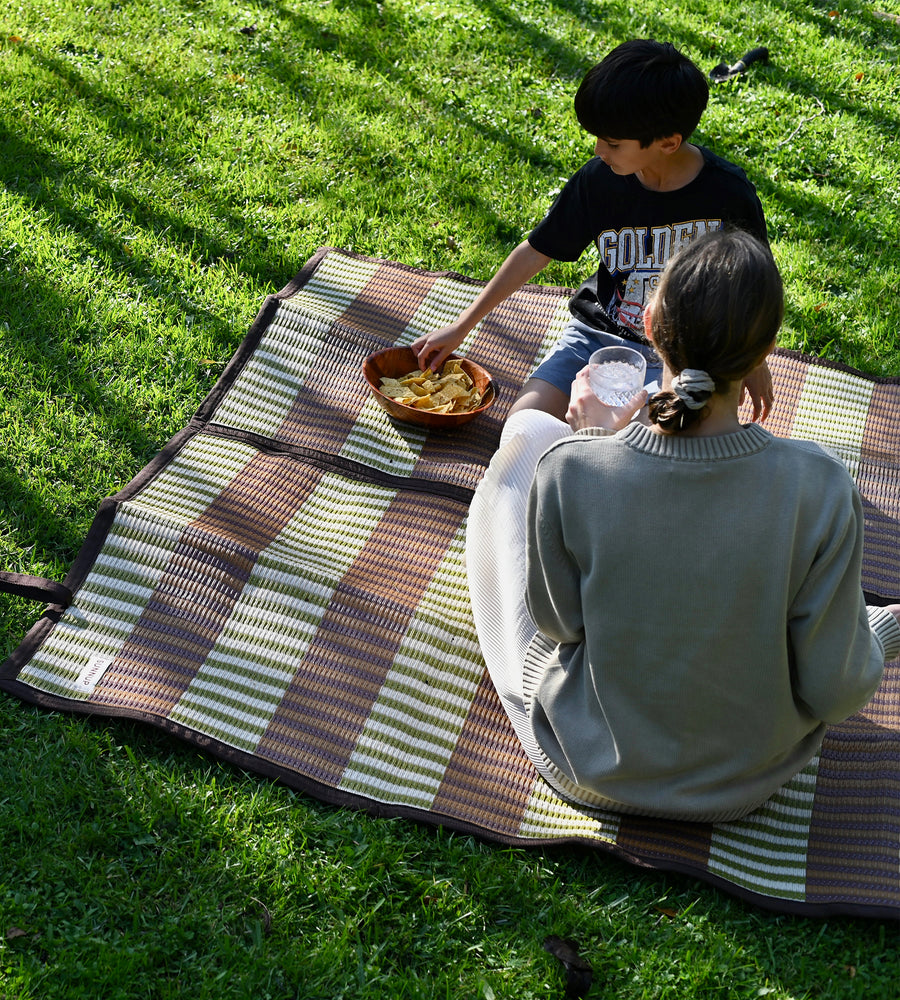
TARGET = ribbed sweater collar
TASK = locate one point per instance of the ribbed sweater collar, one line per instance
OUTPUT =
(748, 441)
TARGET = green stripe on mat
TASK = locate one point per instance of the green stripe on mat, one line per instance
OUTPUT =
(286, 585)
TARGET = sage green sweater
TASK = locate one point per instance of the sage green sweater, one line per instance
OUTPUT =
(700, 617)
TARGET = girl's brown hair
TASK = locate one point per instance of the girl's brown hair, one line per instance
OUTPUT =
(717, 308)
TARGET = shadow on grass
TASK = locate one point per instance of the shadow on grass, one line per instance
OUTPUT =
(28, 168)
(106, 863)
(375, 44)
(156, 856)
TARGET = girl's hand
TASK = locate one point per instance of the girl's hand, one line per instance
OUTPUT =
(585, 410)
(895, 611)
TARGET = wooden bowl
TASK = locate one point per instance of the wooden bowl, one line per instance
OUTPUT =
(396, 361)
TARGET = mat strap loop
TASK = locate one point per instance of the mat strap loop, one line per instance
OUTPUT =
(35, 588)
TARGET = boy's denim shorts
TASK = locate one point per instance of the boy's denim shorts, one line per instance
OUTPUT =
(577, 343)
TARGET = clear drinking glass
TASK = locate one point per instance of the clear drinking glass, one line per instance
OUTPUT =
(617, 373)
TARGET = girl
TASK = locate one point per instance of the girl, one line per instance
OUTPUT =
(671, 611)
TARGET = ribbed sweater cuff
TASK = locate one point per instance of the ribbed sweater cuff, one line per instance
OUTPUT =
(595, 432)
(887, 631)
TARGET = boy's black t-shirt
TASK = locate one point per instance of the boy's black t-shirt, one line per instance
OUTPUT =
(636, 232)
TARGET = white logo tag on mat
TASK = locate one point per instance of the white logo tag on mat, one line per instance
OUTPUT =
(90, 674)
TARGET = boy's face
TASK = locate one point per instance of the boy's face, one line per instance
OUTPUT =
(627, 156)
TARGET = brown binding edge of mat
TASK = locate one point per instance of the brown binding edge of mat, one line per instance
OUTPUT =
(306, 272)
(303, 276)
(260, 767)
(103, 519)
(255, 765)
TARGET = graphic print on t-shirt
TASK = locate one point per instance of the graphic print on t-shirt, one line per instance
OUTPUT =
(635, 258)
(639, 286)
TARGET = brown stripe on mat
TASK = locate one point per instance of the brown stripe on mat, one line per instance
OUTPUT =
(329, 402)
(877, 480)
(855, 828)
(665, 839)
(178, 625)
(460, 455)
(389, 301)
(789, 375)
(488, 780)
(505, 345)
(322, 714)
(881, 440)
(203, 581)
(508, 339)
(881, 571)
(884, 707)
(257, 504)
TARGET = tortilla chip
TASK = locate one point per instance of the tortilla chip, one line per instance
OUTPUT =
(452, 391)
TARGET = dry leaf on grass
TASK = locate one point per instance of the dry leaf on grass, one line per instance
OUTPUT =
(579, 974)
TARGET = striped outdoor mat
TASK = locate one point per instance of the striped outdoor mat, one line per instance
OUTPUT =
(284, 585)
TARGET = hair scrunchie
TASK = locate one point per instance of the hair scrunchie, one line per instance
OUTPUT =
(693, 386)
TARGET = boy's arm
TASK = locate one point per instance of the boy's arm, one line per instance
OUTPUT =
(519, 267)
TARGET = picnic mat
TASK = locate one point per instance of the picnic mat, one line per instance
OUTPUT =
(284, 586)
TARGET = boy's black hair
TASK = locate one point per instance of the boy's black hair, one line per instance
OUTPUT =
(642, 90)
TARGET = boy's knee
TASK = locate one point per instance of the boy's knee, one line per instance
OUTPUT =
(537, 394)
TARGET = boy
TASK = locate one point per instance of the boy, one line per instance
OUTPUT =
(647, 192)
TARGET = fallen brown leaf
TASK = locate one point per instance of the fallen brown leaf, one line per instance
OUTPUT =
(579, 974)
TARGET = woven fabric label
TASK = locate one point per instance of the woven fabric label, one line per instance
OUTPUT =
(91, 673)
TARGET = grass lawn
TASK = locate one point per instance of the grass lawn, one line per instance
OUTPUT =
(165, 164)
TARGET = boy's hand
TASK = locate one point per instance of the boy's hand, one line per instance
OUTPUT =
(432, 349)
(585, 410)
(520, 266)
(758, 386)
